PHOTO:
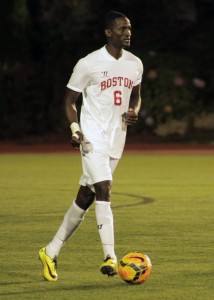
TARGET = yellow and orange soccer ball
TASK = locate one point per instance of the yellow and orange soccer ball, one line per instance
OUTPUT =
(135, 268)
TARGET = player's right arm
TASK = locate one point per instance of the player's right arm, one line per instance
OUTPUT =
(76, 85)
(71, 112)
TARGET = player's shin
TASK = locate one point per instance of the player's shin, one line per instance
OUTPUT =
(72, 220)
(105, 227)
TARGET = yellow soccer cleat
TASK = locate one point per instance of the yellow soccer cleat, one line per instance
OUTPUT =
(109, 266)
(49, 264)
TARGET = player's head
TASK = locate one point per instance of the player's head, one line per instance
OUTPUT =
(117, 29)
(110, 18)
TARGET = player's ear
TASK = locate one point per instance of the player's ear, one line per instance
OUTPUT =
(108, 32)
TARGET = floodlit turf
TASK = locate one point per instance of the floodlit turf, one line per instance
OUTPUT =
(163, 206)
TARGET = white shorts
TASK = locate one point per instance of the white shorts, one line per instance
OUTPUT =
(97, 167)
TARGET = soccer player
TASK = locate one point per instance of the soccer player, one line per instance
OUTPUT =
(110, 82)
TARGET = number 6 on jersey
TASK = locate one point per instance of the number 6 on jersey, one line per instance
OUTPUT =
(117, 98)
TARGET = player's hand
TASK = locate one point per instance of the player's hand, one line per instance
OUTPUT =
(131, 117)
(76, 139)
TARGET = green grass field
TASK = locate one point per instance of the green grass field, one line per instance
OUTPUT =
(163, 206)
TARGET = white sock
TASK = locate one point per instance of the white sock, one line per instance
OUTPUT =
(105, 226)
(72, 220)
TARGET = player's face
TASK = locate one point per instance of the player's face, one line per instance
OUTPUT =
(120, 33)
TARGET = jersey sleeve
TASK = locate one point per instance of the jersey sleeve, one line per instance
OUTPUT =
(80, 76)
(139, 73)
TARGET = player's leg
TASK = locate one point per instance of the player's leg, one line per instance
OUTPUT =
(105, 225)
(85, 197)
(104, 215)
(72, 220)
(100, 166)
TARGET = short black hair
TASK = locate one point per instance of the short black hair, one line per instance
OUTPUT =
(111, 16)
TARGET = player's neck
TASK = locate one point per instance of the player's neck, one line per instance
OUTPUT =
(115, 52)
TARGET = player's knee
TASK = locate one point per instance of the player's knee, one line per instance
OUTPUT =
(85, 197)
(103, 190)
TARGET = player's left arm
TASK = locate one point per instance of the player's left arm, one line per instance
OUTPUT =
(134, 105)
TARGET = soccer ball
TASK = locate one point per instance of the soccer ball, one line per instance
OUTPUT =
(135, 268)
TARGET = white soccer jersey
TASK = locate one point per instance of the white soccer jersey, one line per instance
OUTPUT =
(106, 84)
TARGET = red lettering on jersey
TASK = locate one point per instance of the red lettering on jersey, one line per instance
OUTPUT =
(103, 85)
(120, 80)
(130, 86)
(116, 81)
(109, 82)
(126, 82)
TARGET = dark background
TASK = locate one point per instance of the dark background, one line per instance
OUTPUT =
(41, 40)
